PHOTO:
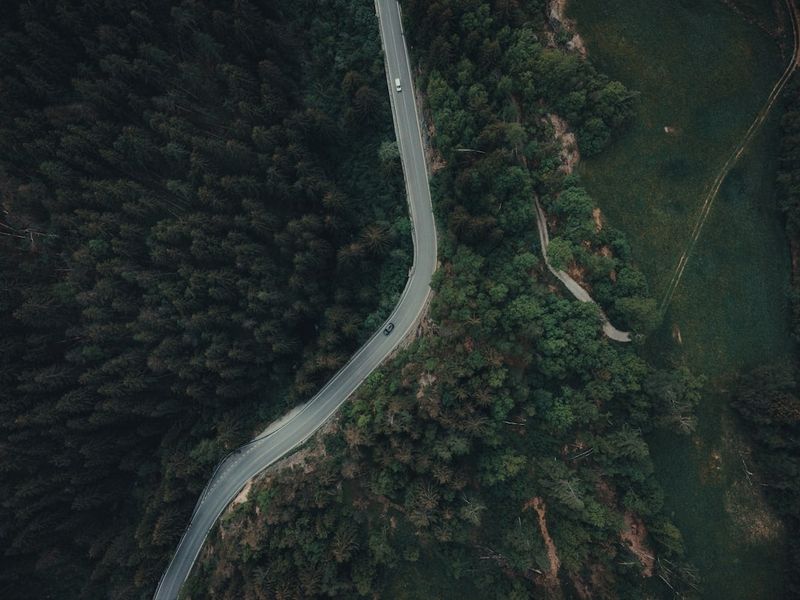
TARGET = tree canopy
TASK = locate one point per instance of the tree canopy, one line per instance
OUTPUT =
(200, 223)
(513, 426)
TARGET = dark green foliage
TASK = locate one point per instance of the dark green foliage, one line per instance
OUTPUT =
(675, 395)
(768, 399)
(599, 257)
(496, 97)
(493, 54)
(513, 400)
(203, 217)
(196, 233)
(789, 188)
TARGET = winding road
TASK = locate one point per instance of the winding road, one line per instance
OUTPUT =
(755, 126)
(295, 428)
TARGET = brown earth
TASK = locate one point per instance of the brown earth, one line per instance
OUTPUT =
(557, 15)
(569, 153)
(597, 216)
(550, 578)
(434, 159)
(578, 272)
(634, 536)
(744, 499)
(750, 514)
(425, 380)
(242, 497)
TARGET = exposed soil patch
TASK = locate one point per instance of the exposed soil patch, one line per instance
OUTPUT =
(425, 381)
(634, 535)
(304, 458)
(434, 159)
(550, 578)
(242, 497)
(245, 530)
(559, 22)
(750, 515)
(744, 500)
(597, 217)
(425, 325)
(578, 272)
(569, 153)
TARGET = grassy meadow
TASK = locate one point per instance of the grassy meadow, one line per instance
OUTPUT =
(703, 71)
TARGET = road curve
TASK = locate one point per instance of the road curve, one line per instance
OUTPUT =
(573, 286)
(241, 465)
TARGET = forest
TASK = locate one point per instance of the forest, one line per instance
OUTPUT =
(203, 215)
(768, 398)
(502, 453)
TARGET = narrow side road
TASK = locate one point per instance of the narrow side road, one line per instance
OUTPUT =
(573, 286)
(708, 202)
(241, 465)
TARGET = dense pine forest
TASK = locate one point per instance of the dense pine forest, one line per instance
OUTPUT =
(502, 454)
(202, 216)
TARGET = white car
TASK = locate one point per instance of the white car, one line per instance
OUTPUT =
(397, 85)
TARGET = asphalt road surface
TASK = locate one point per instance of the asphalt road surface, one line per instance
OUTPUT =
(234, 472)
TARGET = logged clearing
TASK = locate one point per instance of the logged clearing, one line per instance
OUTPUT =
(551, 576)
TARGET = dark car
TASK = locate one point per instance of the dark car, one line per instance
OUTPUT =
(388, 329)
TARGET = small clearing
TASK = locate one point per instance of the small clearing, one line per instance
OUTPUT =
(578, 273)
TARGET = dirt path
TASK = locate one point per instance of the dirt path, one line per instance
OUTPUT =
(551, 576)
(708, 202)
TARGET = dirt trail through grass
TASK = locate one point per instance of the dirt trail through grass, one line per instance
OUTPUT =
(755, 126)
(703, 70)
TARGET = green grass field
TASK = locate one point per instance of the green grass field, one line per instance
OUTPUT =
(730, 307)
(731, 312)
(703, 71)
